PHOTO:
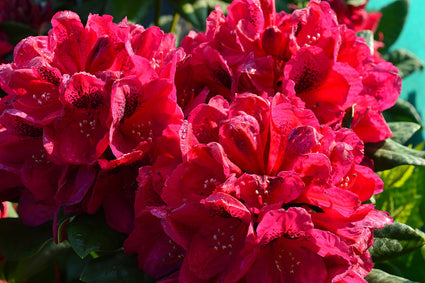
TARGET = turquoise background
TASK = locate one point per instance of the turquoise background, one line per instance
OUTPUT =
(411, 38)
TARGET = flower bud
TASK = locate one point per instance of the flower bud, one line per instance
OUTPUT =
(274, 41)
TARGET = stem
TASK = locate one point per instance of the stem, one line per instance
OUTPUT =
(158, 8)
(176, 19)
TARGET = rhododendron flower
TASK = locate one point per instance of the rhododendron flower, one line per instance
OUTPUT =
(158, 255)
(80, 136)
(218, 238)
(289, 242)
(76, 101)
(264, 158)
(355, 16)
(256, 49)
(114, 190)
(139, 117)
(226, 160)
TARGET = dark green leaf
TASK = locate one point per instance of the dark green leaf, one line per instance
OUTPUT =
(134, 10)
(348, 118)
(71, 265)
(18, 241)
(90, 233)
(30, 266)
(379, 276)
(403, 111)
(395, 240)
(194, 11)
(389, 154)
(118, 267)
(199, 10)
(389, 267)
(165, 22)
(392, 21)
(411, 265)
(17, 31)
(282, 5)
(367, 35)
(47, 274)
(62, 5)
(405, 61)
(90, 7)
(403, 131)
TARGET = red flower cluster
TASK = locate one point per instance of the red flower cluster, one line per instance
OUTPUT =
(85, 106)
(226, 160)
(263, 190)
(256, 49)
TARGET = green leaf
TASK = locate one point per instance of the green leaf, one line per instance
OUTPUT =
(409, 266)
(347, 120)
(282, 5)
(403, 111)
(18, 241)
(61, 5)
(165, 22)
(405, 61)
(389, 154)
(87, 7)
(194, 11)
(47, 274)
(391, 24)
(404, 198)
(28, 267)
(16, 31)
(11, 212)
(118, 267)
(379, 276)
(368, 37)
(134, 10)
(403, 131)
(90, 233)
(404, 194)
(395, 240)
(395, 177)
(71, 265)
(223, 4)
